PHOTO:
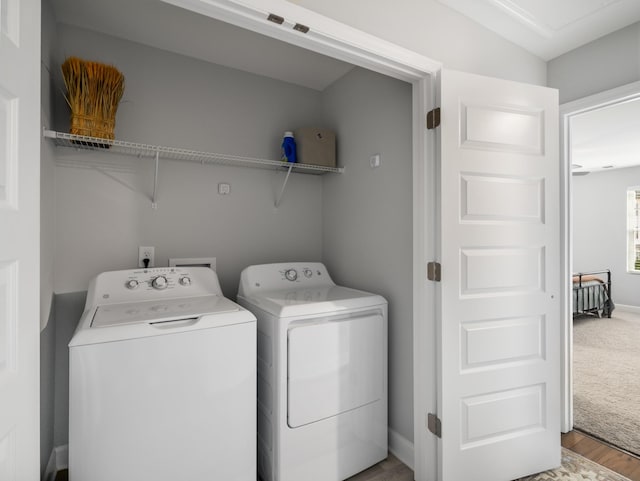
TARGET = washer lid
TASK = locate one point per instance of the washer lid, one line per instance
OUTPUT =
(305, 302)
(161, 310)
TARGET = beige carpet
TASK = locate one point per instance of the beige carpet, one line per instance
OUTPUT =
(576, 468)
(606, 385)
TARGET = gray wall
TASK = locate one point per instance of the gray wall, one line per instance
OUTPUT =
(367, 213)
(438, 32)
(103, 212)
(599, 229)
(68, 310)
(606, 63)
(47, 389)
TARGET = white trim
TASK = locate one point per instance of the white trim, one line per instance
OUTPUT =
(566, 259)
(328, 37)
(58, 460)
(424, 235)
(601, 100)
(626, 308)
(401, 448)
(569, 110)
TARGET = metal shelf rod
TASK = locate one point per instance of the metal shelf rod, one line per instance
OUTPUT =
(284, 184)
(154, 204)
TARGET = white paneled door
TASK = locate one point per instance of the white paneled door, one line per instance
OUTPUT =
(499, 385)
(19, 239)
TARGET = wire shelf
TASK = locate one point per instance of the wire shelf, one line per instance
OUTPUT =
(96, 144)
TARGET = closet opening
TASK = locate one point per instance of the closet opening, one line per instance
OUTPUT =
(196, 81)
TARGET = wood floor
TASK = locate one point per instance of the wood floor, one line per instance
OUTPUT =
(622, 463)
(601, 453)
(391, 469)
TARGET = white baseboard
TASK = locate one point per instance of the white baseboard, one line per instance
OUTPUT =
(634, 309)
(58, 460)
(401, 448)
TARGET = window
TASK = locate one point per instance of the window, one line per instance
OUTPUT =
(633, 229)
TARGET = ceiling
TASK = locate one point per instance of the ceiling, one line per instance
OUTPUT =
(606, 139)
(549, 28)
(164, 26)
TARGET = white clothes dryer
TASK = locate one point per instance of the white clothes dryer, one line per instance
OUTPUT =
(162, 380)
(322, 373)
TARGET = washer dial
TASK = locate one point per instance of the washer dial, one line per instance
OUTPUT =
(159, 283)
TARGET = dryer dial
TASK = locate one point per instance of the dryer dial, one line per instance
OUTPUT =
(291, 275)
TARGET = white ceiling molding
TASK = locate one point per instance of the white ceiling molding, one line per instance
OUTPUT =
(549, 28)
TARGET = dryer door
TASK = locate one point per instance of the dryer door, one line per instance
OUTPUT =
(335, 366)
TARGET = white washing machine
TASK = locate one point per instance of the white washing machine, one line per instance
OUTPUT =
(322, 373)
(162, 380)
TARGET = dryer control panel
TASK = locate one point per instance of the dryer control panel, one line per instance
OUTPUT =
(270, 277)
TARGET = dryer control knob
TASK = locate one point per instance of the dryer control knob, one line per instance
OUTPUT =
(131, 284)
(185, 281)
(291, 274)
(159, 282)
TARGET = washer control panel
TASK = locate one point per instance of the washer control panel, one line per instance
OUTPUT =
(154, 283)
(158, 279)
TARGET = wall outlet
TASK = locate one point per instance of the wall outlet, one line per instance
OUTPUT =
(146, 253)
(224, 188)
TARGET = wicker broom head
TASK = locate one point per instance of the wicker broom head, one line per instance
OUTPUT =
(94, 91)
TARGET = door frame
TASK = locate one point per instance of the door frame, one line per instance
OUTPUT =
(568, 111)
(340, 41)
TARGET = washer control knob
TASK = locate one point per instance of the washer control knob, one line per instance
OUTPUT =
(131, 284)
(159, 283)
(308, 273)
(291, 274)
(185, 281)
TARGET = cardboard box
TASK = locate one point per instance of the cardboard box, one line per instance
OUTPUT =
(315, 146)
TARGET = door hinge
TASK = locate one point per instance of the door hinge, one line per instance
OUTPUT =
(433, 118)
(434, 425)
(433, 271)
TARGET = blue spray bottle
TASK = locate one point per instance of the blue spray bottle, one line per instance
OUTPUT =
(288, 148)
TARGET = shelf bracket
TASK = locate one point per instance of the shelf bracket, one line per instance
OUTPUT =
(284, 184)
(154, 204)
